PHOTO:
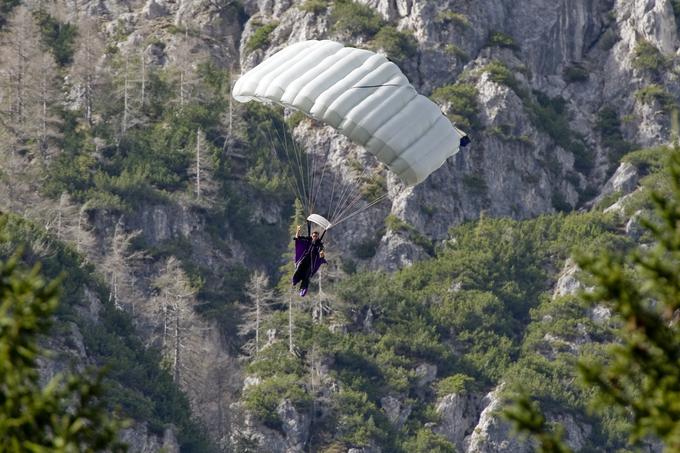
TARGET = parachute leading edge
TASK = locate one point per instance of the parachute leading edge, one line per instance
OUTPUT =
(319, 220)
(362, 95)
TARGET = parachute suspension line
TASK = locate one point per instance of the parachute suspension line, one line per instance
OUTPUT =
(293, 185)
(292, 154)
(300, 168)
(349, 192)
(335, 179)
(359, 211)
(346, 192)
(351, 203)
(318, 187)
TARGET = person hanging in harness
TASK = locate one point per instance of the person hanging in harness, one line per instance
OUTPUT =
(309, 256)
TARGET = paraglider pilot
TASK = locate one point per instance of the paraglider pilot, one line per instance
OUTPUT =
(309, 256)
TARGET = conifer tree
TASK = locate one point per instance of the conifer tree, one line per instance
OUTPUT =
(66, 414)
(640, 379)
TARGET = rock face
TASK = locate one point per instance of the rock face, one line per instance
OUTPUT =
(459, 416)
(141, 441)
(492, 434)
(568, 282)
(622, 182)
(535, 149)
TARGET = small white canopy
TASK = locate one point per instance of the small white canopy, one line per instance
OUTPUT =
(322, 222)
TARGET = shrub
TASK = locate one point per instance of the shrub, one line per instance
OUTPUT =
(355, 19)
(398, 45)
(264, 398)
(314, 6)
(457, 51)
(450, 17)
(655, 93)
(609, 127)
(476, 184)
(395, 224)
(461, 100)
(498, 39)
(575, 72)
(648, 160)
(552, 117)
(454, 384)
(501, 74)
(260, 38)
(648, 58)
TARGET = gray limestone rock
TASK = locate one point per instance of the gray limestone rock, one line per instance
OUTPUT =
(459, 415)
(493, 434)
(295, 425)
(567, 283)
(396, 412)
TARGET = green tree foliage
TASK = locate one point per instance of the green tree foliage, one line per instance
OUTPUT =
(57, 36)
(462, 99)
(641, 376)
(260, 38)
(527, 416)
(428, 442)
(635, 373)
(609, 127)
(655, 93)
(398, 45)
(355, 19)
(6, 7)
(575, 72)
(67, 414)
(648, 58)
(134, 383)
(499, 39)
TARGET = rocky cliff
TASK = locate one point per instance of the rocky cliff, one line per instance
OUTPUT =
(557, 93)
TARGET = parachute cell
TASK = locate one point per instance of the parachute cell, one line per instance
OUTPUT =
(364, 96)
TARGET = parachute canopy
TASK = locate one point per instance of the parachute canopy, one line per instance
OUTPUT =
(362, 95)
(319, 220)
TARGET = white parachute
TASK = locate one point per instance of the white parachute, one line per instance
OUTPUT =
(365, 97)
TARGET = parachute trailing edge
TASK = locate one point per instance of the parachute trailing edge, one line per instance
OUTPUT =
(365, 97)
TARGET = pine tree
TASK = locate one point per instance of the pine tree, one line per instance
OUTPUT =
(66, 414)
(640, 378)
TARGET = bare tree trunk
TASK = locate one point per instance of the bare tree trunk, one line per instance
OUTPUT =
(125, 97)
(143, 78)
(198, 163)
(178, 344)
(231, 101)
(290, 321)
